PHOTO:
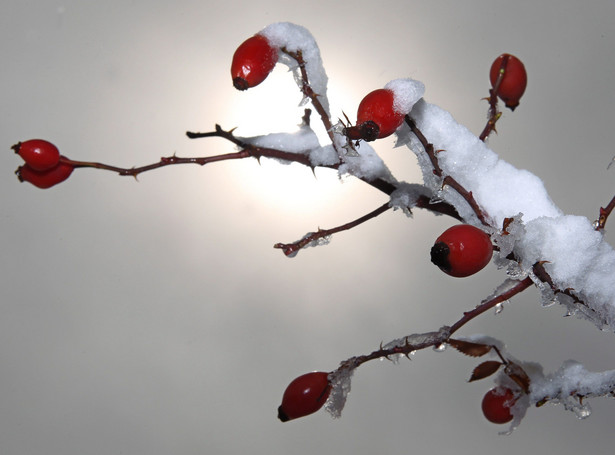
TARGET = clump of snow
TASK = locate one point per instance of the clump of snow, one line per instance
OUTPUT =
(303, 141)
(406, 196)
(577, 257)
(294, 38)
(507, 238)
(500, 189)
(571, 381)
(366, 164)
(340, 381)
(406, 92)
(324, 156)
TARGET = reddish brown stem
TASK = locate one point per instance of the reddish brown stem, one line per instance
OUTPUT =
(290, 249)
(437, 170)
(491, 303)
(249, 150)
(494, 114)
(604, 214)
(408, 345)
(467, 195)
(164, 161)
(307, 90)
(428, 146)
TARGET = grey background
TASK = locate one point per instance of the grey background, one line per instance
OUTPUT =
(155, 317)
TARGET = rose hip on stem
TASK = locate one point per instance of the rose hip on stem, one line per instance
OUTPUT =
(45, 179)
(304, 395)
(462, 250)
(496, 405)
(38, 154)
(252, 62)
(376, 116)
(508, 79)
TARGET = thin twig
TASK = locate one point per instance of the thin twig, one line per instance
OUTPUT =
(307, 90)
(604, 214)
(290, 249)
(448, 180)
(494, 114)
(408, 344)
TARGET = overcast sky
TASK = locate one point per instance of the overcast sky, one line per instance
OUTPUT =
(154, 317)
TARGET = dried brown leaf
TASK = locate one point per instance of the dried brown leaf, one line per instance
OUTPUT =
(469, 348)
(485, 369)
(518, 374)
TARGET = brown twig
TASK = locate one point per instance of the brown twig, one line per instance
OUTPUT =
(541, 273)
(307, 90)
(290, 249)
(428, 146)
(494, 114)
(415, 342)
(249, 150)
(604, 214)
(487, 305)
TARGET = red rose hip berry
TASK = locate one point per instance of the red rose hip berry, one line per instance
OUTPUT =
(462, 250)
(40, 155)
(45, 179)
(512, 77)
(496, 405)
(252, 62)
(376, 116)
(304, 395)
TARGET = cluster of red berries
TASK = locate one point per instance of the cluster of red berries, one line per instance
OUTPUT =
(256, 57)
(460, 251)
(512, 79)
(44, 166)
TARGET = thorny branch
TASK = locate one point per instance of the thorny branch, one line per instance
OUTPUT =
(307, 90)
(408, 345)
(290, 249)
(437, 170)
(494, 115)
(538, 269)
(604, 214)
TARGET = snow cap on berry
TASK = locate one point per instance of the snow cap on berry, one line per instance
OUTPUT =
(294, 38)
(406, 92)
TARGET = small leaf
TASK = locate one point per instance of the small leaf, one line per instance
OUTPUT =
(485, 369)
(517, 374)
(471, 349)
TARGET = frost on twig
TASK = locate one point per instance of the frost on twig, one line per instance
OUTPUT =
(340, 379)
(570, 386)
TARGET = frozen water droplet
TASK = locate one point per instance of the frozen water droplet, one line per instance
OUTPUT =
(596, 224)
(304, 101)
(582, 412)
(499, 308)
(437, 198)
(440, 347)
(549, 302)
